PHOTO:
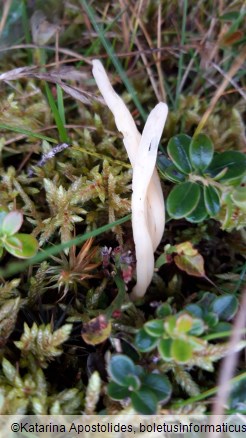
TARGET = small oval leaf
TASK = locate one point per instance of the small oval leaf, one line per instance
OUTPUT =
(201, 152)
(29, 246)
(174, 175)
(164, 349)
(178, 151)
(144, 401)
(199, 214)
(234, 161)
(183, 199)
(121, 366)
(211, 200)
(144, 342)
(12, 223)
(155, 327)
(225, 306)
(159, 385)
(181, 350)
(117, 392)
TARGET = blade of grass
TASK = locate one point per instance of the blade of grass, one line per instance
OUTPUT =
(181, 56)
(26, 29)
(27, 133)
(15, 267)
(60, 125)
(60, 104)
(110, 51)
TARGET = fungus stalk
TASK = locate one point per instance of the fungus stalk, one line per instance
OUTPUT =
(148, 209)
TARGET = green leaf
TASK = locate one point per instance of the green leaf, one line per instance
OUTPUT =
(183, 199)
(197, 327)
(225, 306)
(132, 382)
(159, 385)
(181, 350)
(117, 392)
(201, 152)
(144, 401)
(178, 151)
(234, 161)
(195, 310)
(12, 223)
(164, 349)
(174, 175)
(121, 366)
(3, 214)
(12, 244)
(184, 323)
(144, 342)
(28, 248)
(164, 310)
(199, 214)
(155, 327)
(211, 319)
(211, 199)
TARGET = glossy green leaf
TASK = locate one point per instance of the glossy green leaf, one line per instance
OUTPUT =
(170, 324)
(183, 199)
(28, 246)
(12, 223)
(155, 327)
(12, 244)
(201, 152)
(195, 310)
(181, 350)
(173, 174)
(159, 385)
(164, 349)
(3, 214)
(164, 310)
(132, 382)
(144, 401)
(121, 366)
(117, 392)
(234, 161)
(197, 327)
(178, 151)
(144, 342)
(225, 306)
(211, 319)
(199, 214)
(222, 326)
(184, 323)
(211, 200)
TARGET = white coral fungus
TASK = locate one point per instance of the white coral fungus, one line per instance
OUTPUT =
(148, 209)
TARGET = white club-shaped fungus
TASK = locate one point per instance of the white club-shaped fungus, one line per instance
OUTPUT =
(148, 209)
